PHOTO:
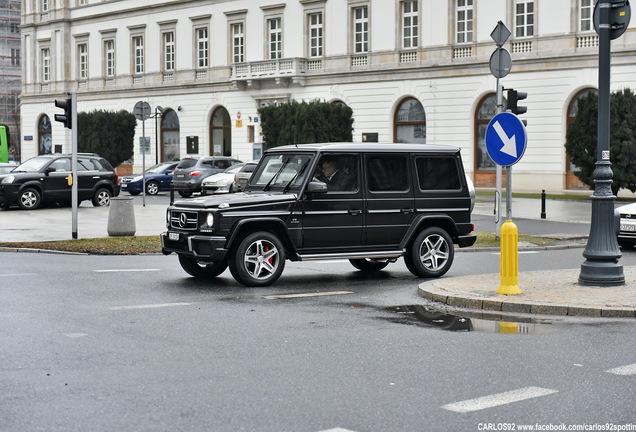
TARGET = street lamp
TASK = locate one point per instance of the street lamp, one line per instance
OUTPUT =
(158, 112)
(601, 266)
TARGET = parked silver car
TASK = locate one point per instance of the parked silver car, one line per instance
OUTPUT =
(221, 182)
(243, 176)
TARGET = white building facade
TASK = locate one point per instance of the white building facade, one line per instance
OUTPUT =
(411, 71)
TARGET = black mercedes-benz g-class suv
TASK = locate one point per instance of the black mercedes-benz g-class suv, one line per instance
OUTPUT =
(369, 203)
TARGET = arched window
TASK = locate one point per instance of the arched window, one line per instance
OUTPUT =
(220, 133)
(571, 180)
(486, 111)
(410, 122)
(45, 138)
(170, 147)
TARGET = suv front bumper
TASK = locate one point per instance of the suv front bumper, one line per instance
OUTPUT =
(205, 248)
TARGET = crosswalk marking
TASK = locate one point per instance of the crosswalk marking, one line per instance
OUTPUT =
(320, 294)
(624, 370)
(498, 399)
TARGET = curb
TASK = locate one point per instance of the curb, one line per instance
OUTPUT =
(431, 291)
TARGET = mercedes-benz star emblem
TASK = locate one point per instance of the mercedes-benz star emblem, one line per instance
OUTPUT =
(183, 220)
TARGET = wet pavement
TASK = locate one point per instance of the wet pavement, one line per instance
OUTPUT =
(553, 293)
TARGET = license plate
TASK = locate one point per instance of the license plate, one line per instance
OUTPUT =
(124, 185)
(173, 236)
(628, 227)
(180, 176)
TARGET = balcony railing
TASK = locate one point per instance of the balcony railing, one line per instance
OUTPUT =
(281, 70)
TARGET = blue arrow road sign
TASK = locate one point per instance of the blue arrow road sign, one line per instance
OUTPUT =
(506, 139)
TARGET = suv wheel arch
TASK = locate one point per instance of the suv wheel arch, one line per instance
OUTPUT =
(246, 227)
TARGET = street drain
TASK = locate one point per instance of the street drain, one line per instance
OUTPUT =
(422, 315)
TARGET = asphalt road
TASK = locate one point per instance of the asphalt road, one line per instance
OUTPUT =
(93, 343)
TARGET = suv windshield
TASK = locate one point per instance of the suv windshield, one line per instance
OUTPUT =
(33, 165)
(281, 170)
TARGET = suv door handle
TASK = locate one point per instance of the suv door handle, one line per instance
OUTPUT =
(407, 210)
(355, 212)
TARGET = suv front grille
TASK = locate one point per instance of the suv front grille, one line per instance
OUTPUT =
(185, 220)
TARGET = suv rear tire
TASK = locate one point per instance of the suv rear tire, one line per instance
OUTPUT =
(29, 199)
(258, 259)
(431, 253)
(102, 197)
(201, 269)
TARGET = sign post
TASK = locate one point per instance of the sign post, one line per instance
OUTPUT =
(500, 65)
(142, 112)
(506, 141)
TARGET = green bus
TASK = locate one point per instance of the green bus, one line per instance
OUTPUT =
(4, 143)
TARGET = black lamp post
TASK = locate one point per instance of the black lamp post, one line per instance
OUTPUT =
(158, 113)
(601, 266)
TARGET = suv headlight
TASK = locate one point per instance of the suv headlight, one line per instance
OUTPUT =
(209, 220)
(8, 180)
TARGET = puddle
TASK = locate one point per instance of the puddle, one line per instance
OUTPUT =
(422, 315)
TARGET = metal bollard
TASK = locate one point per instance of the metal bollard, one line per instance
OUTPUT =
(543, 204)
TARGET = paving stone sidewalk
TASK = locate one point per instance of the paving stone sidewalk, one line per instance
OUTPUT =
(554, 292)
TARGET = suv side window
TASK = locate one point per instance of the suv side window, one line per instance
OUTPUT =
(437, 173)
(84, 164)
(339, 172)
(387, 173)
(61, 164)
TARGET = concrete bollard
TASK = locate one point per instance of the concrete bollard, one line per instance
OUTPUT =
(121, 217)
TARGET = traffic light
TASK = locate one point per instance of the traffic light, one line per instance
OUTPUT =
(65, 118)
(513, 98)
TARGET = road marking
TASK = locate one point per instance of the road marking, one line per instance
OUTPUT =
(17, 274)
(75, 335)
(337, 430)
(519, 252)
(624, 370)
(288, 296)
(149, 306)
(498, 399)
(125, 270)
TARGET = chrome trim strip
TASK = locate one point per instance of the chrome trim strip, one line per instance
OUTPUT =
(330, 212)
(355, 255)
(384, 211)
(433, 210)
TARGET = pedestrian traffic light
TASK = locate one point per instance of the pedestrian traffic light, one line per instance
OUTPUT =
(65, 118)
(513, 98)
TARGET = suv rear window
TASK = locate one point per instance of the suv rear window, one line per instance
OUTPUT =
(437, 173)
(187, 163)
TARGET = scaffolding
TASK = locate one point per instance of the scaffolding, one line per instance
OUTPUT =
(10, 72)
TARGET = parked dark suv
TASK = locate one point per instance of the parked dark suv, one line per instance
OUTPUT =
(369, 203)
(190, 172)
(44, 179)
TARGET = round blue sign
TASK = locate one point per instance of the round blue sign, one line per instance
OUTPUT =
(506, 139)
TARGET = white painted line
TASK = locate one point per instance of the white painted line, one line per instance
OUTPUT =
(624, 370)
(337, 430)
(75, 335)
(288, 296)
(125, 270)
(498, 399)
(519, 252)
(149, 306)
(17, 274)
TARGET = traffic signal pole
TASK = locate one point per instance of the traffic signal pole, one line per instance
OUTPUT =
(74, 198)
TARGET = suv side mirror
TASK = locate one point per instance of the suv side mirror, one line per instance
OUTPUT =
(49, 170)
(316, 187)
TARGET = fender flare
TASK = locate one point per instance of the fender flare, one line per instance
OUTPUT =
(439, 220)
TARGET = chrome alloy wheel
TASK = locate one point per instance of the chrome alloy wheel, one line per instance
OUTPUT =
(261, 259)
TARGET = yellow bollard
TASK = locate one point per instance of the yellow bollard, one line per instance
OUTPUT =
(509, 262)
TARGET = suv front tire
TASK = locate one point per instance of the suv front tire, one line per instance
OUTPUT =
(258, 259)
(29, 199)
